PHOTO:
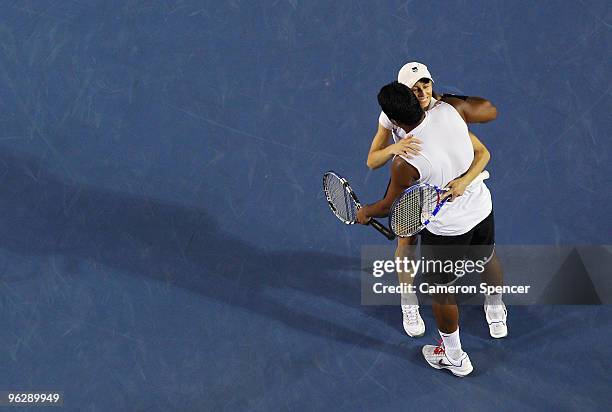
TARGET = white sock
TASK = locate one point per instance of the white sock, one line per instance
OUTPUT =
(452, 344)
(493, 300)
(409, 299)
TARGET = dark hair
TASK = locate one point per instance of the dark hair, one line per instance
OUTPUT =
(400, 104)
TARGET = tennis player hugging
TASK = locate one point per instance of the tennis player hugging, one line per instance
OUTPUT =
(449, 156)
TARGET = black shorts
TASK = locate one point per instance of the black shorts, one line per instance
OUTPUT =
(476, 246)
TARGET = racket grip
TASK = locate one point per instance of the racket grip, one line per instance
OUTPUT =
(382, 229)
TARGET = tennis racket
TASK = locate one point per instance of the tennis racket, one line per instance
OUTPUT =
(418, 206)
(343, 202)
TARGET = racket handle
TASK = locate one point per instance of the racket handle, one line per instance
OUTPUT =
(382, 229)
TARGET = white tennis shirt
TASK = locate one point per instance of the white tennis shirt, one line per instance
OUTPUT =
(447, 153)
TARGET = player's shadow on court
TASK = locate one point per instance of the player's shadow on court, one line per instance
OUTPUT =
(42, 215)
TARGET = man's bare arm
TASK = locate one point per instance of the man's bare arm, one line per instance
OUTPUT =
(473, 109)
(403, 175)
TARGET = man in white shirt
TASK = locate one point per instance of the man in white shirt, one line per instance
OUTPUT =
(417, 77)
(462, 225)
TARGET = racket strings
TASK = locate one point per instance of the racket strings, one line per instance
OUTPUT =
(337, 194)
(413, 209)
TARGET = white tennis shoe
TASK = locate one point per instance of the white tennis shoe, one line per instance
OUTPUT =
(437, 358)
(496, 318)
(413, 322)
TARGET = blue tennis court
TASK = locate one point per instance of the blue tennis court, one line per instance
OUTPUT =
(164, 239)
